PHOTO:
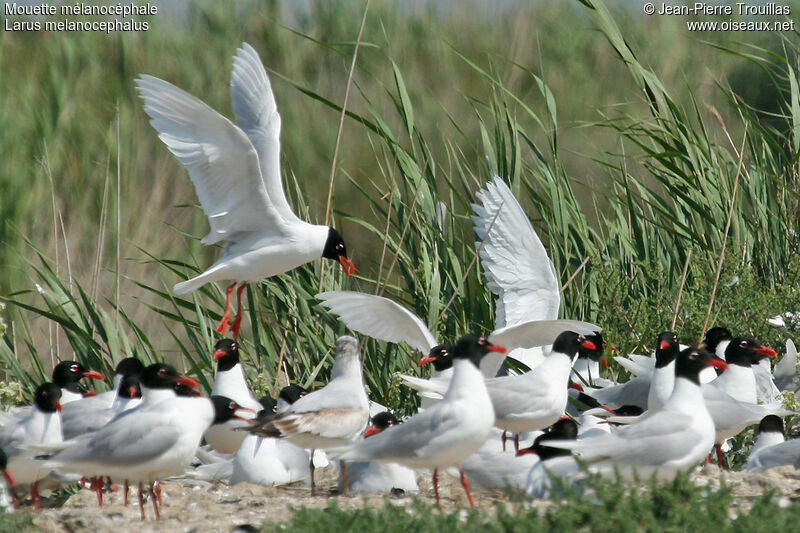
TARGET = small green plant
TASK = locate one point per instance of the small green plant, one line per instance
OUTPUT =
(15, 522)
(616, 505)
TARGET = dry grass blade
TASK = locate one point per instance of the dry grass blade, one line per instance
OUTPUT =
(341, 128)
(740, 154)
(385, 236)
(119, 223)
(680, 290)
(574, 274)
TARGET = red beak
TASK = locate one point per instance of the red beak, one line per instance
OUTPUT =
(663, 345)
(589, 345)
(525, 451)
(605, 362)
(766, 350)
(89, 393)
(58, 406)
(347, 265)
(219, 353)
(372, 430)
(132, 391)
(425, 360)
(607, 408)
(718, 363)
(186, 380)
(576, 386)
(248, 420)
(496, 348)
(614, 349)
(94, 374)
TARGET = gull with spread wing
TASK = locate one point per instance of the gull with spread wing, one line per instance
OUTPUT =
(235, 169)
(517, 267)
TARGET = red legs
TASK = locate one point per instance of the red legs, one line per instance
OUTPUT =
(83, 482)
(345, 482)
(155, 501)
(223, 324)
(237, 323)
(516, 441)
(141, 499)
(125, 493)
(11, 489)
(708, 458)
(157, 486)
(97, 486)
(465, 484)
(35, 494)
(436, 487)
(719, 457)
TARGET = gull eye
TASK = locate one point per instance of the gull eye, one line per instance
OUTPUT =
(743, 344)
(233, 346)
(694, 355)
(73, 368)
(162, 371)
(232, 406)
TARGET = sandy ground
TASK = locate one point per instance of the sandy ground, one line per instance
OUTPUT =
(219, 507)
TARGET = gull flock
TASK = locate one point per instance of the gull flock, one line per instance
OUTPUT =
(682, 403)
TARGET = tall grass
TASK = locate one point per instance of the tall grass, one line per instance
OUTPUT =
(415, 151)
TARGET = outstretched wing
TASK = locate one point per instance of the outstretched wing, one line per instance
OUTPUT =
(379, 317)
(514, 260)
(538, 332)
(221, 160)
(257, 115)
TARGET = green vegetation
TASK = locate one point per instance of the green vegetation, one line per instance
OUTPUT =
(15, 522)
(610, 506)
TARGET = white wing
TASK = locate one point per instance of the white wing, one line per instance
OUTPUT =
(633, 392)
(665, 436)
(257, 115)
(379, 317)
(428, 388)
(124, 441)
(334, 423)
(634, 367)
(538, 332)
(425, 433)
(221, 160)
(785, 453)
(514, 260)
(730, 414)
(787, 366)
